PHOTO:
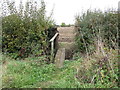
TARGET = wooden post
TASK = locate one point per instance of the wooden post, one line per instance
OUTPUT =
(52, 47)
(52, 51)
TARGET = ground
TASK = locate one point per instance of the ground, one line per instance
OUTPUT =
(44, 76)
(37, 74)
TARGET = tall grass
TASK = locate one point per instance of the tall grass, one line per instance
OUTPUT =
(98, 40)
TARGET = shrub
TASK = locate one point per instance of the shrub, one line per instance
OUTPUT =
(63, 24)
(25, 31)
(97, 27)
(98, 38)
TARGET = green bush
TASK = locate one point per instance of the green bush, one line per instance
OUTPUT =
(94, 26)
(25, 31)
(97, 39)
(63, 24)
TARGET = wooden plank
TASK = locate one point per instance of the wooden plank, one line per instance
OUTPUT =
(54, 37)
(52, 51)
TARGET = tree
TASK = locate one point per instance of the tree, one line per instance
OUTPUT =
(63, 24)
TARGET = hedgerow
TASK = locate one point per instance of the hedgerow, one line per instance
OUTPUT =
(97, 27)
(98, 39)
(25, 30)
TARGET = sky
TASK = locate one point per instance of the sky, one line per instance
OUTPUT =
(65, 10)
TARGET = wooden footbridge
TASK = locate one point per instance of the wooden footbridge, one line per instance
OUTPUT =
(66, 45)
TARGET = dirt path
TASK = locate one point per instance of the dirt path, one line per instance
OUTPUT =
(66, 41)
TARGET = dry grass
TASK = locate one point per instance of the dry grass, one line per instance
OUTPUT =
(99, 68)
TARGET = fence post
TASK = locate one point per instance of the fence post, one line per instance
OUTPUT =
(52, 47)
(52, 50)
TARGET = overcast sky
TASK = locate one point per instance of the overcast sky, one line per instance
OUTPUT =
(65, 10)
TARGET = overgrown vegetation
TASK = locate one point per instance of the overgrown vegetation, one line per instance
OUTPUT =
(25, 30)
(26, 74)
(32, 74)
(97, 40)
(25, 38)
(96, 27)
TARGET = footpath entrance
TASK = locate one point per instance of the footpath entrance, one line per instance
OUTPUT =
(66, 44)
